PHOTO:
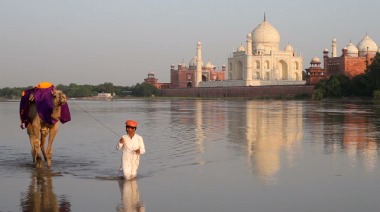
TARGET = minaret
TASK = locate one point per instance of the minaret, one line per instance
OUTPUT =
(248, 74)
(198, 73)
(249, 44)
(333, 45)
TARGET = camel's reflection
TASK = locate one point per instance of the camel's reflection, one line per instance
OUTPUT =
(130, 197)
(40, 195)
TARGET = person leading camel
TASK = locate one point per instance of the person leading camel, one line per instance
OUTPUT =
(133, 146)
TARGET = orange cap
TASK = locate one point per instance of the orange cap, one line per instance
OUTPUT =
(131, 123)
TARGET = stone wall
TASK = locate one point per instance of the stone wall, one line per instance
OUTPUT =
(271, 91)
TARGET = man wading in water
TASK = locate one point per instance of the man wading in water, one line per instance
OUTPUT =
(132, 145)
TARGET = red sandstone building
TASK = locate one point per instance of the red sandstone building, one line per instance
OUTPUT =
(151, 79)
(185, 77)
(353, 61)
(191, 74)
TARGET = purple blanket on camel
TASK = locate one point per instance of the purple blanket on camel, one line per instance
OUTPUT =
(44, 103)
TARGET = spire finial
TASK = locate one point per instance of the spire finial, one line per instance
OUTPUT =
(265, 18)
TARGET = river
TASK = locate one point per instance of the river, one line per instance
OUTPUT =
(201, 155)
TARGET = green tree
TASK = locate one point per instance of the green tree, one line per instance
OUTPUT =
(144, 90)
(12, 93)
(373, 72)
(122, 91)
(317, 94)
(336, 86)
(83, 91)
(361, 85)
(106, 87)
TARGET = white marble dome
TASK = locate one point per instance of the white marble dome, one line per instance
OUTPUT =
(193, 62)
(209, 65)
(315, 60)
(352, 50)
(241, 48)
(183, 64)
(267, 35)
(367, 42)
(289, 48)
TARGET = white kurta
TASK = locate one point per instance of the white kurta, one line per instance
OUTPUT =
(130, 159)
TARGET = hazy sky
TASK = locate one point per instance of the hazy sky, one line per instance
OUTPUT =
(120, 41)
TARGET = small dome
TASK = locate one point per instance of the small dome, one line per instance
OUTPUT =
(193, 62)
(352, 50)
(315, 60)
(183, 63)
(365, 43)
(289, 48)
(209, 65)
(241, 48)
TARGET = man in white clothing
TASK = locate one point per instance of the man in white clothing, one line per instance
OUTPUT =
(132, 145)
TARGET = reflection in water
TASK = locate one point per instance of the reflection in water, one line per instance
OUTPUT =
(40, 195)
(262, 131)
(270, 129)
(130, 197)
(199, 133)
(348, 128)
(356, 142)
(270, 133)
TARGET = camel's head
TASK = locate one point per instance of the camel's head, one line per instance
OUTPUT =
(59, 97)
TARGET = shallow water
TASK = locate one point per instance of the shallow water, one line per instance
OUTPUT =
(202, 155)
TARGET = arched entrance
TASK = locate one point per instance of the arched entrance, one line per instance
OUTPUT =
(283, 69)
(258, 76)
(297, 76)
(239, 71)
(267, 76)
(189, 84)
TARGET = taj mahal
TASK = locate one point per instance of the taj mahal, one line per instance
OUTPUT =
(260, 62)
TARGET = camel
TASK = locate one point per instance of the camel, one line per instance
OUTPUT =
(39, 125)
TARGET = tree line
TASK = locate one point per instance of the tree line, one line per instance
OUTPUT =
(74, 90)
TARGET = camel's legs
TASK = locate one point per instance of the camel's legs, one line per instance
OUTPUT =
(52, 133)
(34, 139)
(44, 133)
